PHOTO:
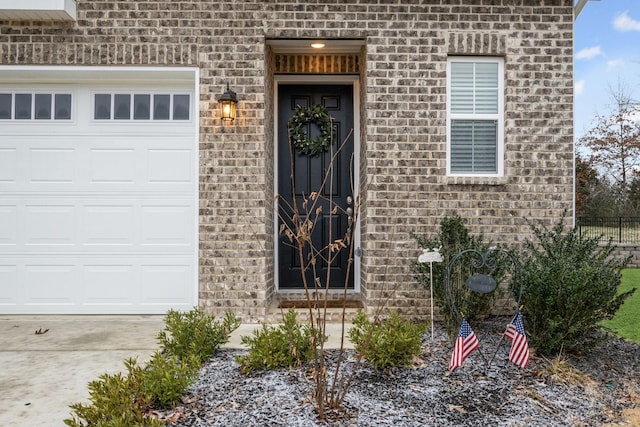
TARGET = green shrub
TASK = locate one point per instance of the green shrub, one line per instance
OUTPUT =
(285, 346)
(166, 378)
(390, 342)
(195, 332)
(116, 401)
(123, 400)
(569, 285)
(452, 239)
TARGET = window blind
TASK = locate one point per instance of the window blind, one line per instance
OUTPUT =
(473, 146)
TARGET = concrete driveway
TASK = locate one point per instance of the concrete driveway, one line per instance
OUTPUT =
(42, 374)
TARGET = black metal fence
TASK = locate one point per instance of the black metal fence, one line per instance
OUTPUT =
(622, 229)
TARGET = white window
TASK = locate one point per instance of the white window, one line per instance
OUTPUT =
(141, 106)
(475, 116)
(18, 106)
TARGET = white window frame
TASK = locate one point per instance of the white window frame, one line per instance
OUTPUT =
(498, 117)
(152, 94)
(33, 95)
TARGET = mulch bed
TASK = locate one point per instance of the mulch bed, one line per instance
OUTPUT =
(425, 394)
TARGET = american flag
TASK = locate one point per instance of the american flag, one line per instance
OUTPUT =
(466, 343)
(519, 353)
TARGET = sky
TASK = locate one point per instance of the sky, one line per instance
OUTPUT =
(607, 52)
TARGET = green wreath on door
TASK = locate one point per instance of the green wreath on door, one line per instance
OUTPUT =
(302, 143)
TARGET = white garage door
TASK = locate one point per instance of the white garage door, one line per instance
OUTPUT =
(98, 194)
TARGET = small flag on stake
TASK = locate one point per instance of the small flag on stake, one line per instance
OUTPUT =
(466, 344)
(519, 353)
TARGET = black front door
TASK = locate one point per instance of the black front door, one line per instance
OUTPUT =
(309, 173)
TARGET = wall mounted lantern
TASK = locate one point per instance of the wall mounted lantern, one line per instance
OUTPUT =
(228, 102)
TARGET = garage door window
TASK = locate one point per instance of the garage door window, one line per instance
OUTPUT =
(35, 106)
(141, 106)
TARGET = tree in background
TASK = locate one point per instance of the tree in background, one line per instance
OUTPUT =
(596, 196)
(605, 199)
(613, 143)
(586, 180)
(632, 207)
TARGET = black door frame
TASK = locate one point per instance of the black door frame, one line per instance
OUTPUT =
(353, 80)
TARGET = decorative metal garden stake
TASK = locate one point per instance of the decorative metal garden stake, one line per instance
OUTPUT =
(430, 256)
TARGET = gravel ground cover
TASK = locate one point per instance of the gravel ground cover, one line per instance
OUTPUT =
(427, 393)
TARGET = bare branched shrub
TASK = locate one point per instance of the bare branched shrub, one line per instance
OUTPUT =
(298, 222)
(299, 219)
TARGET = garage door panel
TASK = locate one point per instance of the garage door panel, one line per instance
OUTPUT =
(8, 226)
(97, 284)
(76, 164)
(50, 283)
(8, 284)
(50, 224)
(170, 166)
(54, 166)
(112, 165)
(109, 224)
(102, 225)
(8, 165)
(111, 284)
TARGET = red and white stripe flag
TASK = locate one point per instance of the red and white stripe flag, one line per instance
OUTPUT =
(519, 353)
(466, 343)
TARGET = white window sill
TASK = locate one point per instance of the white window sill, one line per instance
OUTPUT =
(38, 10)
(474, 180)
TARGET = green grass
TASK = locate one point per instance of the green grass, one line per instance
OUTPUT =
(626, 322)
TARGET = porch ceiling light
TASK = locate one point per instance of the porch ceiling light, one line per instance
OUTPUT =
(228, 102)
(318, 44)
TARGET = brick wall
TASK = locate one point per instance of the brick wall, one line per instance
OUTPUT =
(403, 184)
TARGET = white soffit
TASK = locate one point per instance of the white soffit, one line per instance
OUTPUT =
(38, 10)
